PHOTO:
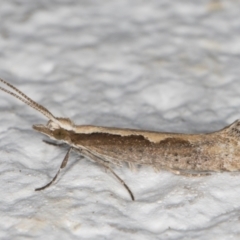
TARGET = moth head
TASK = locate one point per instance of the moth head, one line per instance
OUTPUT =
(58, 133)
(57, 128)
(64, 123)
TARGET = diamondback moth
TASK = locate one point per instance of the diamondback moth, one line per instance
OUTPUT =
(186, 154)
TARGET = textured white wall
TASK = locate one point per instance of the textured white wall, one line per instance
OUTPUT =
(158, 65)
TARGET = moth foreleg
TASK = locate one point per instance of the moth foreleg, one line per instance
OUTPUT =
(106, 166)
(64, 163)
(53, 143)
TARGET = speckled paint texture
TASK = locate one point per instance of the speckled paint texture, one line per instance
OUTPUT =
(158, 65)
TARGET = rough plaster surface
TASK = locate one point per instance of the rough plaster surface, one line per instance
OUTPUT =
(157, 65)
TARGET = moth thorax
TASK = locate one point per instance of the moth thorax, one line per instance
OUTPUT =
(64, 123)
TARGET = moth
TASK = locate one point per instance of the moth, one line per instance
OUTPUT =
(187, 154)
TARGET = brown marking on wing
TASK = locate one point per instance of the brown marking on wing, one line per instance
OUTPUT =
(135, 148)
(174, 142)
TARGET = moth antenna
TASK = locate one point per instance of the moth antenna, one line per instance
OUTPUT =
(24, 98)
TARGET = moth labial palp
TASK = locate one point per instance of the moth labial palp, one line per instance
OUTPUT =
(187, 154)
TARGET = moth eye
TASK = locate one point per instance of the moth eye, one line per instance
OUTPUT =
(59, 134)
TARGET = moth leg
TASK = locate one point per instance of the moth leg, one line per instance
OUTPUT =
(64, 163)
(177, 172)
(189, 173)
(132, 166)
(53, 143)
(106, 166)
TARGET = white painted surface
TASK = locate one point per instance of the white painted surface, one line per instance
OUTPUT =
(157, 65)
